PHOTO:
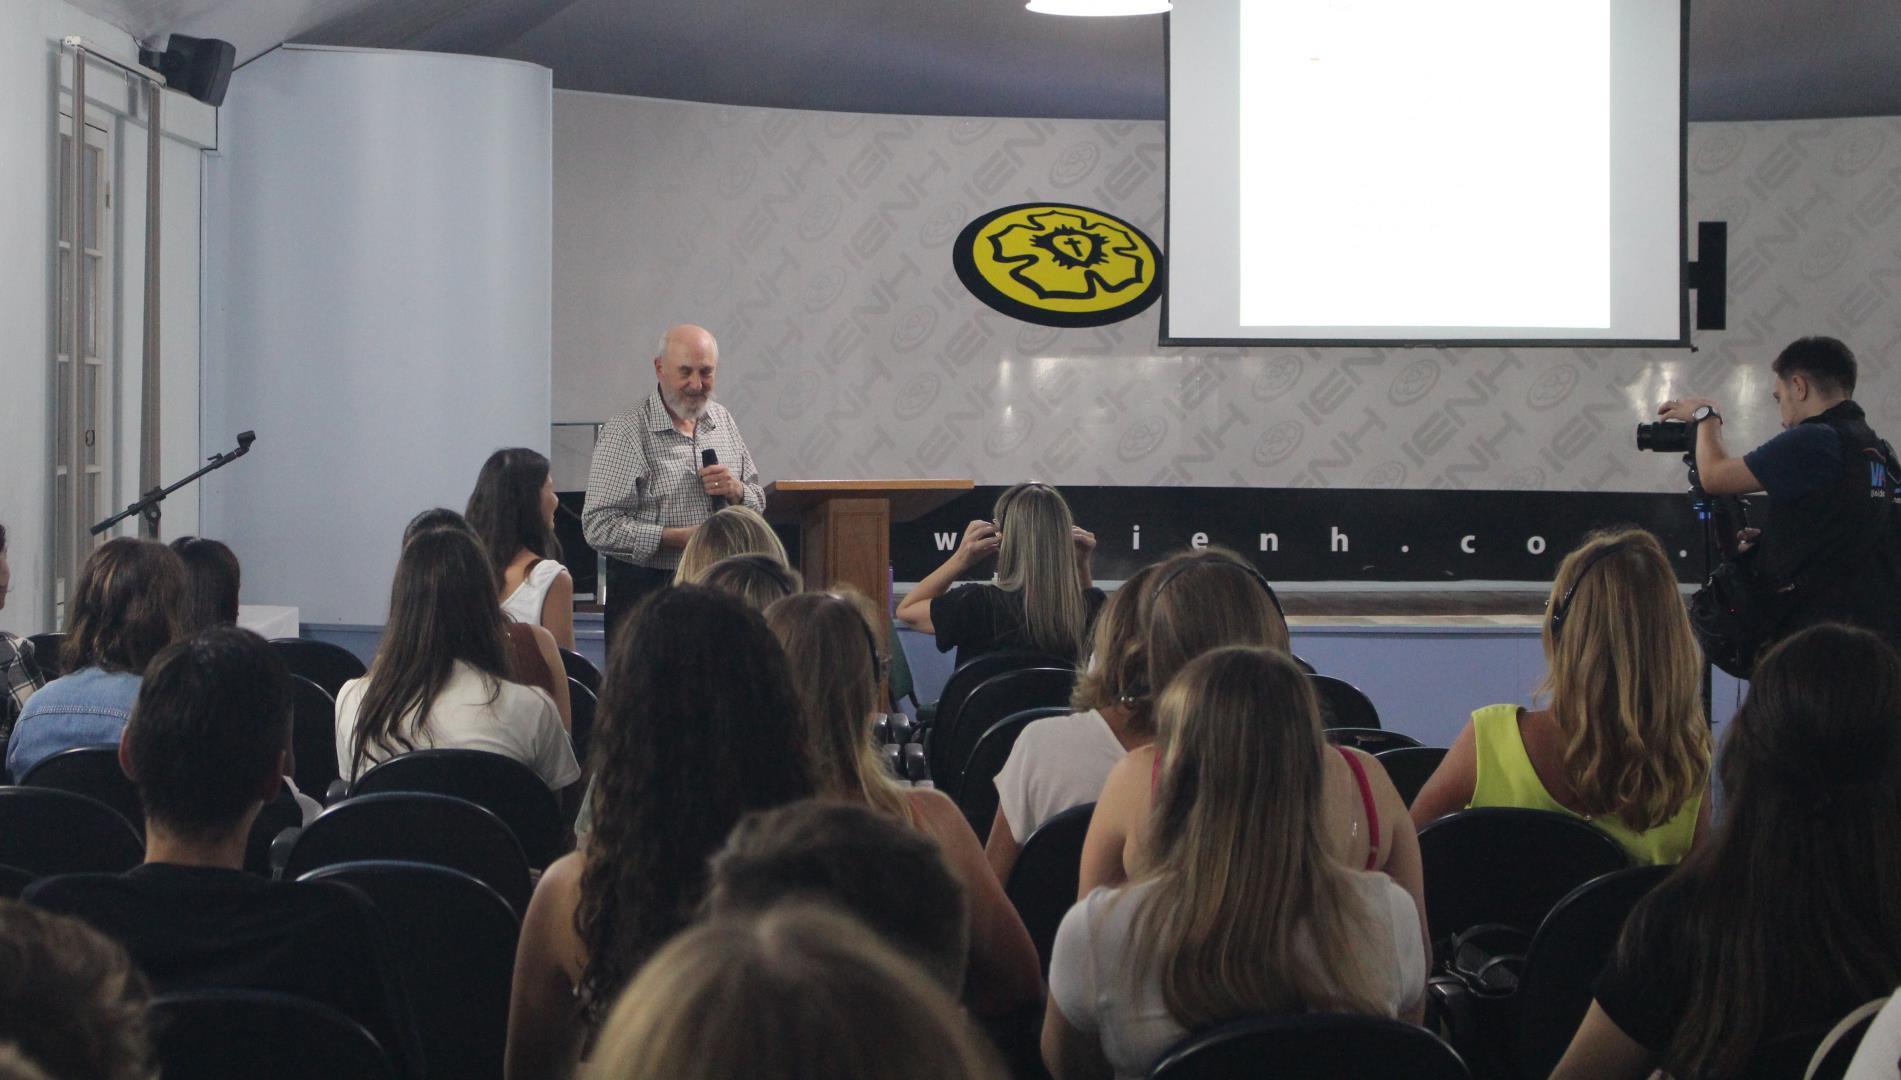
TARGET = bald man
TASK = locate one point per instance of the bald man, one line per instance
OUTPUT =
(647, 489)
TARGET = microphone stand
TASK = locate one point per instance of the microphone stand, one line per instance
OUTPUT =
(147, 506)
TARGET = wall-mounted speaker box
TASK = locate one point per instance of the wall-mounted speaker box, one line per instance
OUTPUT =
(197, 66)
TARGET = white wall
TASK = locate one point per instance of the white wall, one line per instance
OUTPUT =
(378, 271)
(30, 31)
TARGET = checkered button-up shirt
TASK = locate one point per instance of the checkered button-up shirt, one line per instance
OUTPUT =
(19, 677)
(646, 478)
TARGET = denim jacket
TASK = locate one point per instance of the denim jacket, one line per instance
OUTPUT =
(86, 708)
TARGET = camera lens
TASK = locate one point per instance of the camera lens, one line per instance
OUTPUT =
(1664, 437)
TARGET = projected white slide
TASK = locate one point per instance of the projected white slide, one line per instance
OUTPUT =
(1471, 170)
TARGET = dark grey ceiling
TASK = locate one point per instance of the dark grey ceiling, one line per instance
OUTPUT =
(1749, 59)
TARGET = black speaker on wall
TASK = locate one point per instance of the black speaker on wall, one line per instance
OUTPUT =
(197, 66)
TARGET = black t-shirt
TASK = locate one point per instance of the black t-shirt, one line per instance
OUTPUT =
(982, 618)
(1650, 999)
(1801, 459)
(201, 928)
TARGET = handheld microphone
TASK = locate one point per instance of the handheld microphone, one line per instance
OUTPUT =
(709, 459)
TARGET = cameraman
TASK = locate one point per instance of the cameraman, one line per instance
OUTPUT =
(1827, 551)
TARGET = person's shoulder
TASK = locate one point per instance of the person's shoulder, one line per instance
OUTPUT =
(935, 811)
(73, 894)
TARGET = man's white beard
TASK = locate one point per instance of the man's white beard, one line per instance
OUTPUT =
(684, 407)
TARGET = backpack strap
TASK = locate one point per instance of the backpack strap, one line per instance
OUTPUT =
(1840, 1031)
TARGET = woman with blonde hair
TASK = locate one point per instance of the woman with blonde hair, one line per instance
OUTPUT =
(733, 530)
(1042, 599)
(1245, 908)
(833, 654)
(759, 580)
(800, 992)
(1623, 742)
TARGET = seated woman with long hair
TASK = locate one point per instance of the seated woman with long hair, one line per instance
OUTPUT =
(212, 578)
(1200, 601)
(1623, 742)
(759, 580)
(1042, 600)
(1243, 908)
(732, 530)
(1062, 761)
(836, 664)
(697, 727)
(1790, 915)
(512, 510)
(440, 678)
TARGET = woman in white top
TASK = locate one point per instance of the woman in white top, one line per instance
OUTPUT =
(1061, 761)
(1244, 909)
(440, 676)
(512, 511)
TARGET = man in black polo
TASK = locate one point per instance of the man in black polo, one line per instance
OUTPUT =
(1827, 552)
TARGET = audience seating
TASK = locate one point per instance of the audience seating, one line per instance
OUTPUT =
(416, 827)
(1342, 705)
(581, 705)
(1502, 865)
(973, 673)
(327, 665)
(313, 737)
(92, 771)
(276, 816)
(453, 940)
(245, 1034)
(953, 737)
(1371, 740)
(47, 831)
(1312, 1045)
(976, 792)
(1567, 954)
(581, 668)
(503, 786)
(46, 654)
(1409, 767)
(13, 881)
(1043, 882)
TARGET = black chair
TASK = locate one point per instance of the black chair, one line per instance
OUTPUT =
(1567, 954)
(1301, 1045)
(453, 939)
(580, 667)
(977, 787)
(1372, 740)
(327, 665)
(1508, 866)
(502, 785)
(1342, 705)
(1409, 767)
(245, 1034)
(951, 740)
(277, 815)
(974, 672)
(92, 771)
(1042, 884)
(581, 705)
(46, 654)
(414, 827)
(48, 831)
(13, 881)
(313, 737)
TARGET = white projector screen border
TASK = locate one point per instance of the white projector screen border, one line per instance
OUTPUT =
(1427, 340)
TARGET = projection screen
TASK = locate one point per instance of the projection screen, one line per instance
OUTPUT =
(1467, 172)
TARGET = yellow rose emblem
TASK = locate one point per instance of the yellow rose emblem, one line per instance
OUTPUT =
(1055, 264)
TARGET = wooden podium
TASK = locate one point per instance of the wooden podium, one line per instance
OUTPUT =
(845, 526)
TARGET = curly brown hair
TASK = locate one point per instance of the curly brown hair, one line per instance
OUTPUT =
(126, 607)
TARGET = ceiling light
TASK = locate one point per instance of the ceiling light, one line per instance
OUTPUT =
(1099, 7)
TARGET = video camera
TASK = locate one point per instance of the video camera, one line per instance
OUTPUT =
(1666, 437)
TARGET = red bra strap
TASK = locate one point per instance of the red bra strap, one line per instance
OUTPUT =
(1372, 808)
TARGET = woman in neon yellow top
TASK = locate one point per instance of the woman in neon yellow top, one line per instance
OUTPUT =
(1623, 743)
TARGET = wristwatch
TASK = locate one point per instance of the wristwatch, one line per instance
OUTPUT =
(1705, 412)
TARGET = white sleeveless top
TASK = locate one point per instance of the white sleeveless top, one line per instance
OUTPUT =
(524, 604)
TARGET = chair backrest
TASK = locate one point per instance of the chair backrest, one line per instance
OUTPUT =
(13, 881)
(977, 782)
(506, 787)
(453, 940)
(1567, 954)
(327, 665)
(92, 771)
(580, 667)
(277, 815)
(1372, 740)
(1312, 1045)
(243, 1034)
(1342, 705)
(581, 706)
(1409, 767)
(973, 672)
(416, 827)
(46, 654)
(313, 737)
(1505, 865)
(48, 831)
(995, 698)
(1042, 884)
